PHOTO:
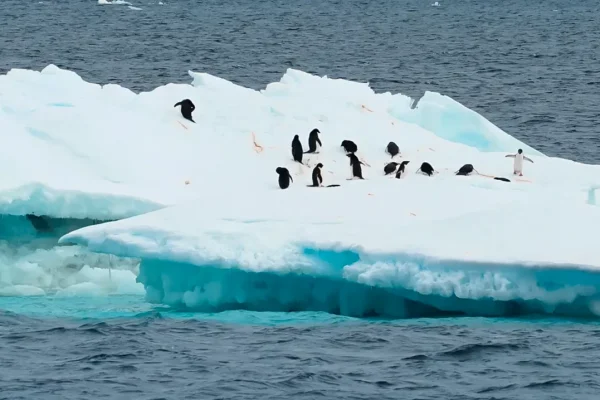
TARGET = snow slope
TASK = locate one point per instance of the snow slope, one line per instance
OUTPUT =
(104, 152)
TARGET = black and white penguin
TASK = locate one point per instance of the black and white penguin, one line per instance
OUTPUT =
(187, 107)
(518, 164)
(355, 164)
(392, 149)
(284, 177)
(349, 146)
(465, 170)
(317, 178)
(390, 168)
(401, 169)
(314, 143)
(426, 168)
(297, 149)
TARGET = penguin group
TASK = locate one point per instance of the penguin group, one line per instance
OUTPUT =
(393, 167)
(187, 107)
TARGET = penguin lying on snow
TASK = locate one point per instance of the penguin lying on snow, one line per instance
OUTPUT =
(390, 168)
(465, 170)
(349, 146)
(426, 169)
(284, 177)
(392, 149)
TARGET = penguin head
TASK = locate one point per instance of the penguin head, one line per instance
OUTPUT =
(520, 151)
(315, 131)
(296, 137)
(280, 170)
(404, 162)
(319, 165)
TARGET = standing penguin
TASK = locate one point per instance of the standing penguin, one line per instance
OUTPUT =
(355, 164)
(297, 149)
(314, 143)
(518, 164)
(349, 146)
(401, 169)
(284, 177)
(392, 149)
(317, 178)
(426, 168)
(390, 168)
(187, 107)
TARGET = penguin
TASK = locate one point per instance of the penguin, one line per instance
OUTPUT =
(187, 107)
(297, 149)
(356, 168)
(518, 164)
(401, 169)
(317, 178)
(392, 149)
(390, 168)
(313, 141)
(284, 177)
(426, 168)
(498, 178)
(466, 170)
(349, 146)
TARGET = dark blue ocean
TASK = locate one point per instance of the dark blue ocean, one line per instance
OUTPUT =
(532, 68)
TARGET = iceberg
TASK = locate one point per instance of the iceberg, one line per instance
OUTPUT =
(199, 204)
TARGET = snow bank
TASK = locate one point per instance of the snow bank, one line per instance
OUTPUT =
(104, 152)
(411, 247)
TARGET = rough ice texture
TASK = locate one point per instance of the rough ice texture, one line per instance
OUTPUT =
(231, 238)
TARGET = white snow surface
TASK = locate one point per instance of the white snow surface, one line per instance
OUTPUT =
(105, 152)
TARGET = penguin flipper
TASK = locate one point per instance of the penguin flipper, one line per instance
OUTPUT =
(177, 104)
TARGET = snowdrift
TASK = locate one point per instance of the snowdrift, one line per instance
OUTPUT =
(81, 150)
(214, 231)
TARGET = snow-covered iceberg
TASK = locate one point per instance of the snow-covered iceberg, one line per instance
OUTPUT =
(200, 206)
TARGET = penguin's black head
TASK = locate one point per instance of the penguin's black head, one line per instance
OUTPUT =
(319, 165)
(296, 137)
(520, 151)
(316, 131)
(404, 162)
(280, 170)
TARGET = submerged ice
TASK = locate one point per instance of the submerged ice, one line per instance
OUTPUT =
(199, 204)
